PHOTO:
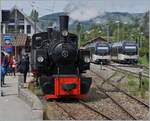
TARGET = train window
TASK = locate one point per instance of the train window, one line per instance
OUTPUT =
(102, 48)
(130, 47)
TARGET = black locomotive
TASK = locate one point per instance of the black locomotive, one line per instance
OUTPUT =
(58, 63)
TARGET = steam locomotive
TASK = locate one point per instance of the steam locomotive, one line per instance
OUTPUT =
(59, 64)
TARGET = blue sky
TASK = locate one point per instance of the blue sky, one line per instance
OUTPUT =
(79, 7)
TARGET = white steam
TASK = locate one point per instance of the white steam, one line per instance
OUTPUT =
(82, 12)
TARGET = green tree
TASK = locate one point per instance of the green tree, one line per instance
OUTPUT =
(50, 23)
(145, 25)
(34, 15)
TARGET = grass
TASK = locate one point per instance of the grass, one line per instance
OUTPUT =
(146, 84)
(133, 83)
(143, 60)
(134, 86)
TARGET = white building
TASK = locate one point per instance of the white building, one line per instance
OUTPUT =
(17, 24)
(20, 22)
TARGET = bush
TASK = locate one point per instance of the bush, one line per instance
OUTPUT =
(146, 84)
(143, 51)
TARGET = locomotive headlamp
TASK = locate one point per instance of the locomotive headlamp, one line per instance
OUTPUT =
(65, 33)
(40, 59)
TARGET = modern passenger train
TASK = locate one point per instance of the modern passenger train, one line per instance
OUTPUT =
(100, 52)
(125, 51)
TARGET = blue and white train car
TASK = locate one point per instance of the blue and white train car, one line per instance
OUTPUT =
(125, 51)
(100, 52)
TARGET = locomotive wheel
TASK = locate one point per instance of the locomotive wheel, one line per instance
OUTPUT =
(47, 84)
(85, 84)
(48, 87)
(44, 79)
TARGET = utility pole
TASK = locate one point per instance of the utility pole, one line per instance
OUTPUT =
(79, 40)
(141, 39)
(125, 23)
(118, 22)
(107, 33)
(16, 22)
(79, 29)
(118, 31)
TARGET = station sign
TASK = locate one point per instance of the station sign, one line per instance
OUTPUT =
(8, 46)
(7, 38)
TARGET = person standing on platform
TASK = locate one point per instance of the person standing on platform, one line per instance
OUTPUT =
(10, 68)
(23, 66)
(3, 67)
(14, 66)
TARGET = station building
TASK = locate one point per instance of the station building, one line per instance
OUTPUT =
(20, 27)
(95, 40)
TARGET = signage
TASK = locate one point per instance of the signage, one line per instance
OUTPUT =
(8, 47)
(7, 38)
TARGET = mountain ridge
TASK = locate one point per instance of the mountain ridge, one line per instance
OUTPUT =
(100, 19)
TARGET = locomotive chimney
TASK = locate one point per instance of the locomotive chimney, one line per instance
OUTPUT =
(63, 21)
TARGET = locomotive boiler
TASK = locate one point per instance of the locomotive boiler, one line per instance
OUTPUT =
(58, 63)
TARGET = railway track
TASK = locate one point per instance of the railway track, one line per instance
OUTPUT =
(129, 65)
(121, 90)
(66, 111)
(115, 68)
(117, 103)
(70, 110)
(105, 92)
(98, 112)
(99, 88)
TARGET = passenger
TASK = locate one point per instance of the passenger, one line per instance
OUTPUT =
(7, 63)
(3, 65)
(14, 66)
(23, 66)
(10, 64)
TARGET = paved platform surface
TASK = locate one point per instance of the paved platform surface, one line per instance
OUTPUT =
(11, 106)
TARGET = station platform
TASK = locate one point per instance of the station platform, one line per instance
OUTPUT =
(11, 106)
